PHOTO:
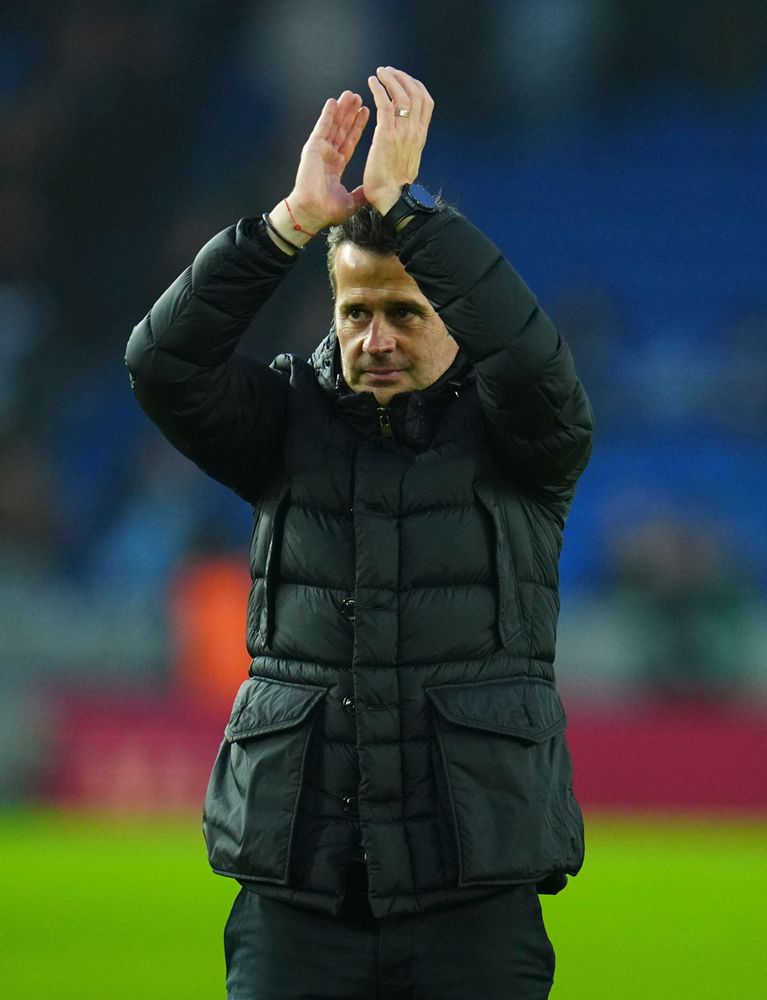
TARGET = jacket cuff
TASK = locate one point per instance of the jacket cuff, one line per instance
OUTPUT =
(421, 229)
(253, 231)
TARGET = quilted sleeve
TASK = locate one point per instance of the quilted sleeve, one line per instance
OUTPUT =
(222, 409)
(536, 409)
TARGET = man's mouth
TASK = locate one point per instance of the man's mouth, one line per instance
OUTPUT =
(383, 374)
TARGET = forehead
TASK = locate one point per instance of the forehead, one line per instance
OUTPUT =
(358, 273)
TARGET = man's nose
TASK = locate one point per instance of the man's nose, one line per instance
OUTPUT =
(379, 338)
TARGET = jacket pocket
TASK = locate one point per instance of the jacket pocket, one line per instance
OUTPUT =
(509, 617)
(266, 544)
(505, 769)
(255, 785)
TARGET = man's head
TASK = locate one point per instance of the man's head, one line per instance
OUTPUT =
(391, 339)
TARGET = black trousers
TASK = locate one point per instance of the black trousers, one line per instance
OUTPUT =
(494, 948)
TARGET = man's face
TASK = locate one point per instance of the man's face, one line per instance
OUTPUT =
(391, 339)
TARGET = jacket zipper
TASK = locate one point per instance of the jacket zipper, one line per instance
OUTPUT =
(384, 421)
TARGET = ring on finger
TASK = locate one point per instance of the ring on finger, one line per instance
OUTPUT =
(402, 112)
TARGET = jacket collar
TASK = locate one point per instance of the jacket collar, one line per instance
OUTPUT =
(413, 416)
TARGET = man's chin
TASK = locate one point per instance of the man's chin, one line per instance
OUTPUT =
(384, 387)
(385, 396)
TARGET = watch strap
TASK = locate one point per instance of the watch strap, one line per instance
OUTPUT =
(413, 200)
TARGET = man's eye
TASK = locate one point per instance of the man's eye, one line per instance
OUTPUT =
(354, 313)
(403, 312)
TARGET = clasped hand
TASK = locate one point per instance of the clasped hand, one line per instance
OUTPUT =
(319, 197)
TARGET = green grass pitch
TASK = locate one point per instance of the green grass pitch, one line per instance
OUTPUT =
(663, 910)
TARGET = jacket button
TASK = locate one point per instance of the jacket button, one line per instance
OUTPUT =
(348, 704)
(350, 804)
(347, 608)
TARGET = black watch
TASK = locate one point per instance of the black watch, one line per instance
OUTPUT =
(413, 199)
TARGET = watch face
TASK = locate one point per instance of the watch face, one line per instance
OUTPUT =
(421, 198)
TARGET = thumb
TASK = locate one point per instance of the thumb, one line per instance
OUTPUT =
(358, 196)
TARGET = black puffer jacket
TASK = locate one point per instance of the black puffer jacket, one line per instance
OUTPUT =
(401, 705)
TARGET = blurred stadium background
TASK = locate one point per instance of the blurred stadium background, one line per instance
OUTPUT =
(617, 152)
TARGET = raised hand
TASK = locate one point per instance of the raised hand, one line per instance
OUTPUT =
(319, 197)
(398, 141)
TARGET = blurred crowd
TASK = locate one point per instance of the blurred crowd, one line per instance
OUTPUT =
(614, 149)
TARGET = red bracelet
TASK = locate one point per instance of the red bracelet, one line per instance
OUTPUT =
(297, 226)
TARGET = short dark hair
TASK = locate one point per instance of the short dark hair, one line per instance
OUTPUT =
(364, 229)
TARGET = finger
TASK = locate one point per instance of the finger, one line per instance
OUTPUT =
(405, 79)
(384, 105)
(325, 124)
(349, 110)
(423, 101)
(427, 108)
(399, 94)
(339, 111)
(346, 108)
(342, 105)
(355, 133)
(358, 196)
(348, 101)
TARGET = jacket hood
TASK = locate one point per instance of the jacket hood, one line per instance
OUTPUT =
(325, 361)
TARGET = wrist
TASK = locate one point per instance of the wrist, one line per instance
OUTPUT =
(386, 198)
(292, 224)
(413, 200)
(302, 216)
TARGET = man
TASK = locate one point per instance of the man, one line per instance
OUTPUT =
(394, 788)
